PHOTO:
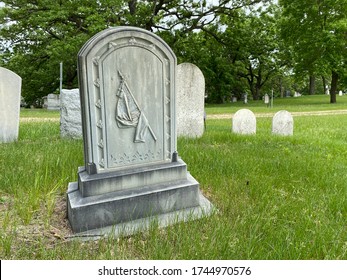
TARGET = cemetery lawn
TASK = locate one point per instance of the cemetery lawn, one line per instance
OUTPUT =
(276, 197)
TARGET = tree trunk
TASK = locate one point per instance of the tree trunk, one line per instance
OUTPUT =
(333, 89)
(324, 84)
(312, 85)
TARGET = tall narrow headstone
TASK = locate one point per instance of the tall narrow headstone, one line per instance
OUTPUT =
(10, 96)
(244, 122)
(70, 114)
(282, 123)
(132, 172)
(190, 100)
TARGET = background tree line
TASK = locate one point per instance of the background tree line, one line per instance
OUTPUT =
(242, 46)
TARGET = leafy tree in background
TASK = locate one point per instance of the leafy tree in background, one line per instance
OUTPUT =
(256, 52)
(317, 32)
(41, 34)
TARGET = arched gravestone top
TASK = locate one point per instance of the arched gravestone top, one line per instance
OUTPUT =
(283, 123)
(190, 100)
(10, 94)
(127, 87)
(244, 122)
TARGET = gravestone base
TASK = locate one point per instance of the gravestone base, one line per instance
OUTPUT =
(126, 211)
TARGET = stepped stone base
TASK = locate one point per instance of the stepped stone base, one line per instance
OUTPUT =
(126, 211)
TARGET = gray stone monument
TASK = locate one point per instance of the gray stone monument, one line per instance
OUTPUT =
(70, 114)
(190, 100)
(132, 174)
(244, 122)
(53, 101)
(10, 96)
(282, 123)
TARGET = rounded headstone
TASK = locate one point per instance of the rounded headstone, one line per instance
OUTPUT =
(190, 100)
(282, 123)
(244, 122)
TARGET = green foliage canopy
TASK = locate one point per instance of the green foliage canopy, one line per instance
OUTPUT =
(37, 35)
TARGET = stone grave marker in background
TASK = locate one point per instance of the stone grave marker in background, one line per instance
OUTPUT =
(53, 101)
(132, 174)
(244, 122)
(282, 123)
(70, 114)
(10, 96)
(190, 100)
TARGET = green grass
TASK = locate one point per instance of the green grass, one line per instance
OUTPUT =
(39, 113)
(277, 197)
(291, 104)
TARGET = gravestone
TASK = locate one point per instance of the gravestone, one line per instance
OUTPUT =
(266, 99)
(10, 96)
(244, 122)
(245, 98)
(190, 100)
(70, 114)
(53, 101)
(132, 174)
(327, 91)
(282, 123)
(44, 102)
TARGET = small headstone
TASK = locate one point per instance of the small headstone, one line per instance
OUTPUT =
(297, 94)
(10, 97)
(53, 101)
(266, 99)
(132, 174)
(245, 98)
(190, 100)
(282, 123)
(44, 102)
(234, 99)
(70, 114)
(244, 122)
(327, 92)
(340, 93)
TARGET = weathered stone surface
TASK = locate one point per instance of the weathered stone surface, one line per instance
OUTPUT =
(132, 171)
(53, 101)
(10, 96)
(244, 122)
(190, 100)
(283, 123)
(70, 114)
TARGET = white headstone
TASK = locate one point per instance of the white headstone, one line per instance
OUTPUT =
(245, 100)
(266, 99)
(70, 114)
(10, 96)
(340, 93)
(327, 92)
(244, 122)
(190, 84)
(282, 123)
(53, 101)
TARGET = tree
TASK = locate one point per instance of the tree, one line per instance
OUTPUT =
(43, 33)
(317, 32)
(254, 46)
